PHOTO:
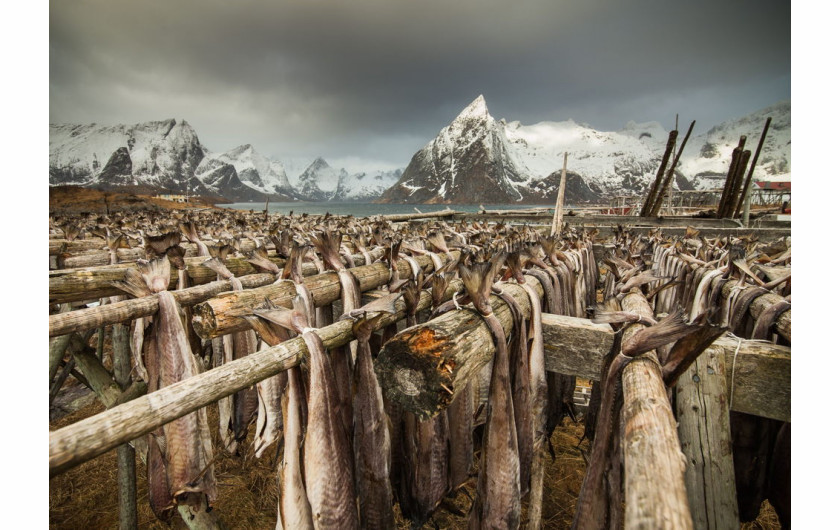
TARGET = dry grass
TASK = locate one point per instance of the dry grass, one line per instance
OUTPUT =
(76, 199)
(85, 498)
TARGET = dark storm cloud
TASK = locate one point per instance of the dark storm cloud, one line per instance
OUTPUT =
(378, 79)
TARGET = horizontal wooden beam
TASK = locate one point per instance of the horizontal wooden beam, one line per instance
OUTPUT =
(223, 313)
(762, 379)
(762, 370)
(132, 308)
(93, 259)
(91, 437)
(92, 283)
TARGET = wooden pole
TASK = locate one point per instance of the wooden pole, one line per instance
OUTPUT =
(746, 191)
(93, 283)
(126, 310)
(557, 223)
(703, 427)
(654, 466)
(654, 189)
(126, 462)
(730, 175)
(732, 201)
(222, 314)
(669, 178)
(58, 346)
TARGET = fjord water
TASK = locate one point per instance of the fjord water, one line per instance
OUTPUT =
(363, 209)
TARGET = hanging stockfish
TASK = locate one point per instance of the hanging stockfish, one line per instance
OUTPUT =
(497, 503)
(189, 230)
(244, 406)
(560, 387)
(520, 376)
(459, 412)
(599, 498)
(293, 509)
(270, 390)
(371, 437)
(180, 453)
(328, 457)
(425, 479)
(351, 298)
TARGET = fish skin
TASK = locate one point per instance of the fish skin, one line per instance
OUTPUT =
(521, 379)
(294, 508)
(539, 408)
(188, 460)
(226, 403)
(245, 401)
(431, 479)
(460, 416)
(497, 503)
(372, 442)
(328, 458)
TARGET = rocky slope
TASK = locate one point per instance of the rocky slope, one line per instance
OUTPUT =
(166, 156)
(479, 159)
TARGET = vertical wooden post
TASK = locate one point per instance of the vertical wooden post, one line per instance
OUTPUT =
(669, 178)
(732, 201)
(745, 216)
(730, 176)
(557, 223)
(752, 168)
(703, 428)
(58, 346)
(654, 188)
(126, 462)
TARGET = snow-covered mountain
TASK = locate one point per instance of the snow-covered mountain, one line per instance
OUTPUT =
(157, 154)
(322, 182)
(707, 157)
(474, 159)
(167, 156)
(479, 159)
(243, 174)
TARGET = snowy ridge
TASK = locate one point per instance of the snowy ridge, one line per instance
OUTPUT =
(478, 159)
(162, 154)
(167, 156)
(707, 157)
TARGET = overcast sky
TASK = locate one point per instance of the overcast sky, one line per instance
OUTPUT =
(375, 80)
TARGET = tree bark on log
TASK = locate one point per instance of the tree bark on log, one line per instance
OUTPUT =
(424, 367)
(654, 466)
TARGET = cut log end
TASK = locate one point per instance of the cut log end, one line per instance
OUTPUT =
(418, 371)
